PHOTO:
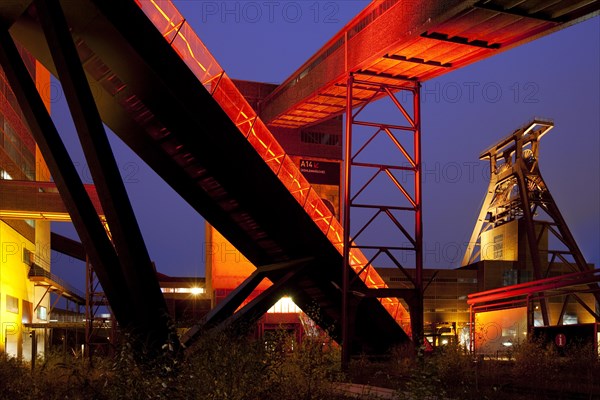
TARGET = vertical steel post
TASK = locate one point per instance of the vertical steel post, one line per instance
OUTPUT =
(415, 299)
(471, 330)
(530, 316)
(417, 323)
(89, 288)
(33, 348)
(346, 224)
(596, 344)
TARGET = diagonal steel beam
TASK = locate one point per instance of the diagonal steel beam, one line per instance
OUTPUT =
(234, 300)
(530, 234)
(252, 311)
(66, 246)
(151, 311)
(225, 309)
(80, 207)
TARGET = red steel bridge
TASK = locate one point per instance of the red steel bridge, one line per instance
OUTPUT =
(160, 90)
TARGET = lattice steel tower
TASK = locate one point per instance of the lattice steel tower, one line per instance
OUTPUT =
(519, 219)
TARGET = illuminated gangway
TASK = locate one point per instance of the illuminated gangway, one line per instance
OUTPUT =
(183, 39)
(412, 40)
(165, 96)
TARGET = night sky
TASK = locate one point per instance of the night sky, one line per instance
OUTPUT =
(556, 77)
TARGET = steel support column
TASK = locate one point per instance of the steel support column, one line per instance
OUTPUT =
(346, 222)
(403, 162)
(416, 306)
(80, 207)
(151, 310)
(471, 330)
(531, 238)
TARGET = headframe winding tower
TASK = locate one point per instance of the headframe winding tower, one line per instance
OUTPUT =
(517, 191)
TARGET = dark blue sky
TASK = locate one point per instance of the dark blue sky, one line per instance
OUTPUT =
(556, 77)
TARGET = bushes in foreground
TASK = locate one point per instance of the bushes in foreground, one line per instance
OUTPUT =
(217, 367)
(534, 370)
(223, 367)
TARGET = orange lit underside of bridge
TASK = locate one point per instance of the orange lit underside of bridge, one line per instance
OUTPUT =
(414, 40)
(37, 200)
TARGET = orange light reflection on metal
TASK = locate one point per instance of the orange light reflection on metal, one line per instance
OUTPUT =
(167, 19)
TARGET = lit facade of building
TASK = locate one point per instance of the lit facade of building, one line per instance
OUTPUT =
(446, 312)
(445, 309)
(24, 240)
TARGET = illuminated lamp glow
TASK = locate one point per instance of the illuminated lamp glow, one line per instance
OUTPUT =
(196, 291)
(285, 305)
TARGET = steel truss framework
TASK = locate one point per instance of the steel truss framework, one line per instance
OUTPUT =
(95, 300)
(518, 191)
(407, 238)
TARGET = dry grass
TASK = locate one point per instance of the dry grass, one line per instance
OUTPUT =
(222, 367)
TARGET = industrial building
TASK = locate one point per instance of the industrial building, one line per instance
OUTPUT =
(25, 275)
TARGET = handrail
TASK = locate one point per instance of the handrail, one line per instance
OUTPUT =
(540, 285)
(365, 18)
(37, 271)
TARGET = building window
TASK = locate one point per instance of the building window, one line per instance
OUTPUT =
(189, 290)
(398, 279)
(570, 319)
(510, 331)
(27, 312)
(28, 257)
(526, 276)
(321, 138)
(42, 313)
(509, 278)
(498, 245)
(5, 175)
(12, 304)
(446, 280)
